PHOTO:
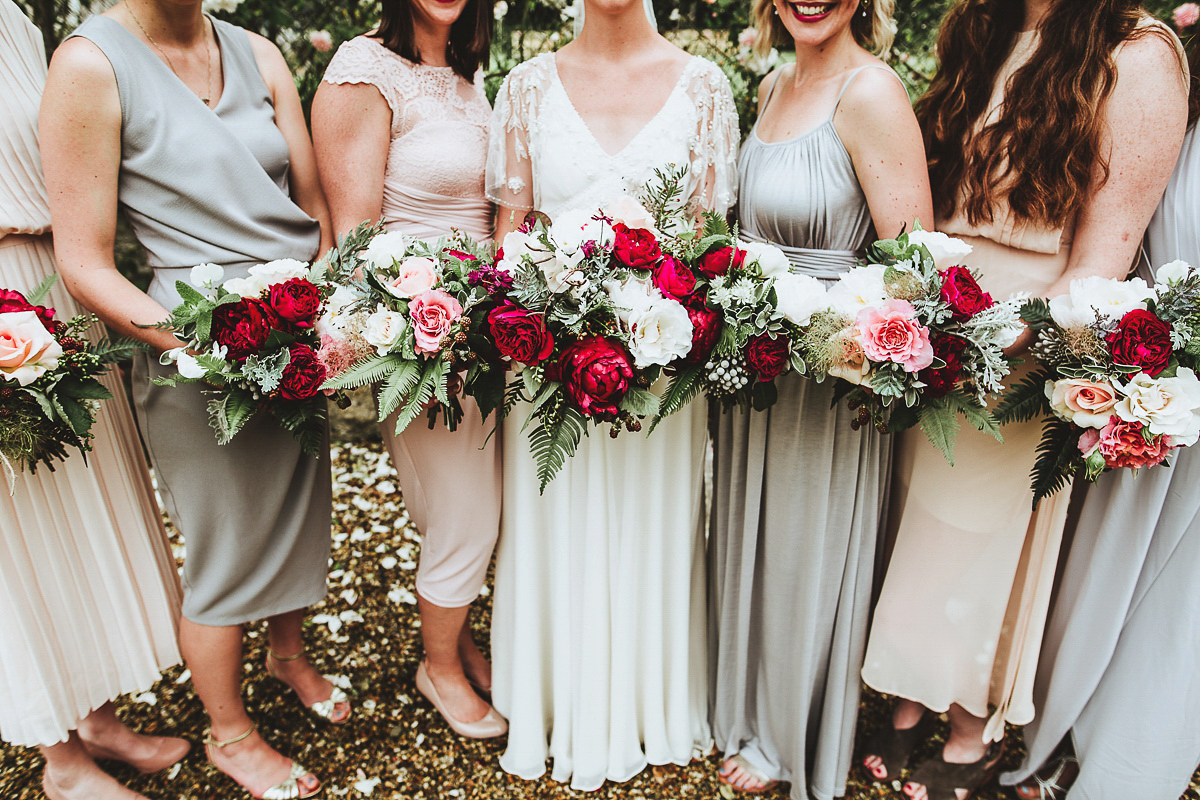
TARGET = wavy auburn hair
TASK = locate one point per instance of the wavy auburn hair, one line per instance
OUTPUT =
(1040, 152)
(470, 35)
(1193, 54)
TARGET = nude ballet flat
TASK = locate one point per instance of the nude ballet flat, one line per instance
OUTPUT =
(489, 727)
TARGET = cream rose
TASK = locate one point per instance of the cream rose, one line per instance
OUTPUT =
(1085, 403)
(659, 333)
(800, 296)
(386, 249)
(383, 329)
(416, 275)
(27, 349)
(1170, 406)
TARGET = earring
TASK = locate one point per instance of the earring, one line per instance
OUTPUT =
(864, 6)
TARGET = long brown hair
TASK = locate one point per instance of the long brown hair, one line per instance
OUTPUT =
(1193, 52)
(470, 35)
(1040, 153)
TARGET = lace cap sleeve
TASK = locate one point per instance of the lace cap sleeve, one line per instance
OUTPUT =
(514, 118)
(361, 60)
(715, 145)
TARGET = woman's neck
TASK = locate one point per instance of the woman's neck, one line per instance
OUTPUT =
(836, 55)
(173, 23)
(616, 35)
(431, 42)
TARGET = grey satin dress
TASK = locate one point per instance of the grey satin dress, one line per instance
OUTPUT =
(1118, 667)
(798, 496)
(210, 185)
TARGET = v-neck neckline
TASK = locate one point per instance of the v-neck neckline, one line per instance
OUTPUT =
(220, 62)
(591, 135)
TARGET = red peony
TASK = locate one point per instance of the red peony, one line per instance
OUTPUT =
(674, 279)
(1141, 340)
(303, 375)
(706, 329)
(636, 248)
(963, 294)
(718, 262)
(11, 300)
(243, 327)
(520, 334)
(597, 372)
(297, 301)
(941, 380)
(766, 356)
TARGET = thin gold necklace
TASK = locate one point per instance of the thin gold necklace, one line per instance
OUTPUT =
(167, 58)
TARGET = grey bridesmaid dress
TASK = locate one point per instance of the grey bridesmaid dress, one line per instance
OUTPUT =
(798, 497)
(210, 185)
(1118, 667)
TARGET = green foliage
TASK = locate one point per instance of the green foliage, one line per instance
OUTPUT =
(1026, 400)
(554, 440)
(1058, 457)
(684, 386)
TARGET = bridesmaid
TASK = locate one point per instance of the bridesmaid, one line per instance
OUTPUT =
(798, 493)
(1051, 179)
(1117, 673)
(400, 127)
(89, 595)
(194, 128)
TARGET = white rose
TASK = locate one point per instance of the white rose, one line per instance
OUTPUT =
(189, 367)
(631, 296)
(659, 333)
(243, 287)
(771, 260)
(386, 249)
(800, 296)
(946, 250)
(630, 213)
(1085, 403)
(1169, 406)
(27, 349)
(573, 228)
(278, 271)
(517, 246)
(384, 329)
(207, 275)
(562, 271)
(857, 289)
(1175, 272)
(1113, 299)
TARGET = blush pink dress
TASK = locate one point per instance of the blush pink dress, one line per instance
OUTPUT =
(433, 183)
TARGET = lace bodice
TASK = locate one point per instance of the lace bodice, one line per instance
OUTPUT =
(542, 155)
(439, 120)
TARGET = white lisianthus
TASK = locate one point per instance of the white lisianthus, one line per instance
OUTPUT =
(517, 246)
(1169, 406)
(279, 271)
(242, 287)
(386, 249)
(946, 250)
(659, 333)
(800, 296)
(771, 260)
(1113, 299)
(189, 367)
(383, 329)
(1172, 273)
(573, 228)
(207, 276)
(631, 296)
(631, 214)
(857, 289)
(562, 271)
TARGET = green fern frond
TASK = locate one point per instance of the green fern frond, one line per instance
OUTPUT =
(37, 295)
(554, 441)
(683, 388)
(1058, 457)
(369, 370)
(1026, 400)
(397, 386)
(417, 400)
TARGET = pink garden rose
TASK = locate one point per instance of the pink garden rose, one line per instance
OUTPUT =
(891, 332)
(1186, 15)
(417, 275)
(1085, 403)
(433, 313)
(27, 349)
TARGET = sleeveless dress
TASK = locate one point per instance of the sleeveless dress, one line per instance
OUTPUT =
(210, 185)
(798, 499)
(598, 642)
(433, 183)
(89, 594)
(963, 605)
(1118, 664)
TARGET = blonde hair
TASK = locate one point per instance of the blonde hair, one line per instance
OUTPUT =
(874, 32)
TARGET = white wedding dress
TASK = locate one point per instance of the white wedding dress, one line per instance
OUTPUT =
(598, 630)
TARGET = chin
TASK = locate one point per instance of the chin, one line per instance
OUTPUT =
(815, 17)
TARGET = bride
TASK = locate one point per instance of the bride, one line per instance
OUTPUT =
(598, 633)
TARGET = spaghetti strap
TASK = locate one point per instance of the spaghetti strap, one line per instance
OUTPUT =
(850, 78)
(771, 91)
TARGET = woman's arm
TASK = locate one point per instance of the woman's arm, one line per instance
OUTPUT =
(289, 118)
(80, 135)
(876, 123)
(351, 125)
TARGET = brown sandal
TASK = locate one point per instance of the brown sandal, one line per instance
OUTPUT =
(942, 780)
(894, 747)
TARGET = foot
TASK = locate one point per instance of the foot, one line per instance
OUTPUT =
(477, 668)
(309, 685)
(739, 774)
(895, 745)
(955, 751)
(84, 782)
(1051, 782)
(147, 754)
(458, 697)
(256, 766)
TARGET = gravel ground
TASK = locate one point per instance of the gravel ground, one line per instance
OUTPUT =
(366, 631)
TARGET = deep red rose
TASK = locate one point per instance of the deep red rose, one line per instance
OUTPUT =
(674, 279)
(303, 375)
(963, 294)
(11, 300)
(766, 356)
(1141, 340)
(596, 372)
(636, 248)
(520, 334)
(941, 380)
(718, 262)
(706, 329)
(297, 301)
(244, 326)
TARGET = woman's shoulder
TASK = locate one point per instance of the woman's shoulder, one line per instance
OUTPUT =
(1153, 46)
(533, 73)
(699, 69)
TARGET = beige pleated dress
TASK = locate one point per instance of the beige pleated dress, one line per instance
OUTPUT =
(963, 605)
(89, 594)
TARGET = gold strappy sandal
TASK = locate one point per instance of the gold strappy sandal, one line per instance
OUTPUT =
(287, 790)
(322, 708)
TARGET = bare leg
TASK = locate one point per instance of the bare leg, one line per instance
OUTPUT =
(905, 715)
(477, 668)
(71, 774)
(964, 746)
(214, 655)
(285, 634)
(103, 735)
(441, 632)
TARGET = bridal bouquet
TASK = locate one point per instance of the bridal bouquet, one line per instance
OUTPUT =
(48, 380)
(410, 315)
(1115, 379)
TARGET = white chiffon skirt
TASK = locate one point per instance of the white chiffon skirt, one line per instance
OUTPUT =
(598, 627)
